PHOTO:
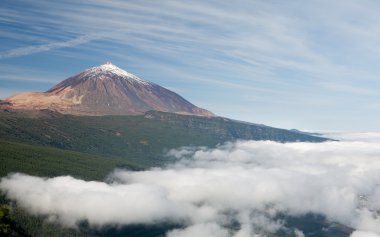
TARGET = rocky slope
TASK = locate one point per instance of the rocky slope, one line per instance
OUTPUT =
(104, 90)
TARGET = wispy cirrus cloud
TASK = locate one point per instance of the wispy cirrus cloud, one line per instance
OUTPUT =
(46, 47)
(301, 49)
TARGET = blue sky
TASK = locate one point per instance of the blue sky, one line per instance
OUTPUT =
(294, 64)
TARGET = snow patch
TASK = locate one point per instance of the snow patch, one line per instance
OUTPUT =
(110, 68)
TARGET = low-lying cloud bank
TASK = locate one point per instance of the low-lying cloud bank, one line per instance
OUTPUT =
(247, 182)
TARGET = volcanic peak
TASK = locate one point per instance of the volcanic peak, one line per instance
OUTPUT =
(109, 68)
(104, 90)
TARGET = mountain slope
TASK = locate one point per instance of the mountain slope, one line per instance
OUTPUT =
(104, 90)
(142, 138)
(50, 162)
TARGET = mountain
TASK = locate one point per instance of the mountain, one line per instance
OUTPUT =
(139, 138)
(104, 90)
(56, 133)
(48, 144)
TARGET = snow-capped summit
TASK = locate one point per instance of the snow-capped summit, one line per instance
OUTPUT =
(105, 90)
(108, 67)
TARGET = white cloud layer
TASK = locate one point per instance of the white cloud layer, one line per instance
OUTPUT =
(363, 234)
(248, 182)
(200, 230)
